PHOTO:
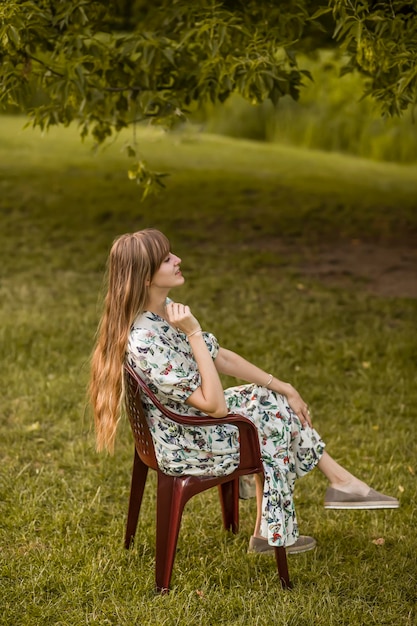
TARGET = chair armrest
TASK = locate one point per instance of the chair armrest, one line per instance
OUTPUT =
(249, 450)
(250, 453)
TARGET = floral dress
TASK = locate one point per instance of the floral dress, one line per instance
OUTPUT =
(162, 356)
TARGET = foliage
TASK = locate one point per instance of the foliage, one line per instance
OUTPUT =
(330, 115)
(352, 354)
(177, 54)
(380, 39)
(109, 64)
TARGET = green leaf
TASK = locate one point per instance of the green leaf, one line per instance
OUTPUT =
(321, 11)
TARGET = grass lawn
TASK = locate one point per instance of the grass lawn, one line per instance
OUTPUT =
(229, 208)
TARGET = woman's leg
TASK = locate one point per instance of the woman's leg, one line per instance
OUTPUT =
(259, 484)
(258, 543)
(339, 477)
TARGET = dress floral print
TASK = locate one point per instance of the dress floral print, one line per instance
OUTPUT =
(162, 356)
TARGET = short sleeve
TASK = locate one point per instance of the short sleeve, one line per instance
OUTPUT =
(212, 344)
(171, 369)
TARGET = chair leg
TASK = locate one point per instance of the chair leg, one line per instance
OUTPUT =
(229, 499)
(137, 486)
(281, 559)
(171, 499)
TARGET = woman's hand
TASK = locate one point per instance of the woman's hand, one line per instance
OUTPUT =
(231, 364)
(209, 396)
(180, 316)
(299, 407)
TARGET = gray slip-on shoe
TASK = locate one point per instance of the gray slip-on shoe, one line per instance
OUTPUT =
(260, 545)
(335, 499)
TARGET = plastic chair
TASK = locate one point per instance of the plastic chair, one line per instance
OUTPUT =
(173, 492)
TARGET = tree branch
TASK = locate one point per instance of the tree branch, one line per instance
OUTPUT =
(33, 58)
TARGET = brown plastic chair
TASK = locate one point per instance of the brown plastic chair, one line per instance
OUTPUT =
(173, 492)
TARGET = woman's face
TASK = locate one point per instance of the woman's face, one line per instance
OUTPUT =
(168, 274)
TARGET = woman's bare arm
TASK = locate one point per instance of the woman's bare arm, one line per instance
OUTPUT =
(209, 397)
(232, 364)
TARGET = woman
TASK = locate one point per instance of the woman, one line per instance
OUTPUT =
(163, 341)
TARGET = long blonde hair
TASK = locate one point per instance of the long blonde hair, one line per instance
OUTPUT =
(133, 260)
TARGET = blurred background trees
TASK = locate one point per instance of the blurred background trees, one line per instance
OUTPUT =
(329, 115)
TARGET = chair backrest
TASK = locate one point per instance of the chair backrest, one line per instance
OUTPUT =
(141, 433)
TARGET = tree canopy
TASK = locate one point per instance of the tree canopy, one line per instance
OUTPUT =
(106, 64)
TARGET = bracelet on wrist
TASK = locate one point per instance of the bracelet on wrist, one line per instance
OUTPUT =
(195, 332)
(270, 379)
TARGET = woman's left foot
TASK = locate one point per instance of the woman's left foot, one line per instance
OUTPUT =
(260, 545)
(336, 499)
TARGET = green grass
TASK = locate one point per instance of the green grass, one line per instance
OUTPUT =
(63, 507)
